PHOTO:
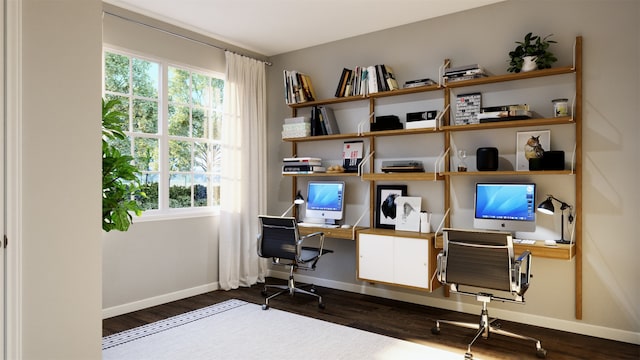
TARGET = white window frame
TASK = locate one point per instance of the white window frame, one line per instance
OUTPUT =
(164, 212)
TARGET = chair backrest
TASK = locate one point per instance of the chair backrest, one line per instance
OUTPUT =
(479, 258)
(279, 237)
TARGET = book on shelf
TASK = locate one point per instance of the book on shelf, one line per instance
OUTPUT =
(418, 82)
(342, 83)
(390, 78)
(301, 161)
(297, 87)
(352, 155)
(329, 120)
(287, 169)
(465, 72)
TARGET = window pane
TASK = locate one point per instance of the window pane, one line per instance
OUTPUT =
(201, 183)
(217, 91)
(202, 157)
(123, 107)
(200, 90)
(116, 73)
(179, 191)
(145, 116)
(178, 85)
(178, 120)
(216, 125)
(146, 154)
(149, 185)
(216, 155)
(199, 121)
(179, 155)
(145, 78)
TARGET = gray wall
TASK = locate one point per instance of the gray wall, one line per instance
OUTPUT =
(59, 256)
(610, 143)
(135, 271)
(158, 260)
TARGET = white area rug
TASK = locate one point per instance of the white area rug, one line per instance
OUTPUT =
(235, 329)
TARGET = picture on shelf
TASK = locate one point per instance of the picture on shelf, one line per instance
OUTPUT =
(531, 144)
(386, 210)
(408, 213)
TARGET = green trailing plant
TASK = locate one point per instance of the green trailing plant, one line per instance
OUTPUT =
(533, 45)
(120, 178)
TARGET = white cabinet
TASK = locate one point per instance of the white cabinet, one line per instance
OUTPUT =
(395, 260)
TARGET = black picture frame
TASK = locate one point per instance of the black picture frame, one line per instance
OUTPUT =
(385, 206)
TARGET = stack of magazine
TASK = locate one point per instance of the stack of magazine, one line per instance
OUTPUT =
(466, 72)
(504, 113)
(302, 165)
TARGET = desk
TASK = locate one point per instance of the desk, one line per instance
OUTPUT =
(539, 249)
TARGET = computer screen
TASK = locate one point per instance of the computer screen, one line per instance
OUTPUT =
(325, 201)
(505, 206)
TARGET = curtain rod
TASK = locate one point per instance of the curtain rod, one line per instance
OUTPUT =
(268, 63)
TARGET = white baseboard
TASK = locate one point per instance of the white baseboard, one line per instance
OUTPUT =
(547, 322)
(158, 300)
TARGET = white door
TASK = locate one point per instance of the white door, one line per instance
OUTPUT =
(412, 262)
(2, 182)
(375, 257)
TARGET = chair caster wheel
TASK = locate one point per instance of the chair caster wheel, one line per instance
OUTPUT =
(435, 330)
(313, 290)
(265, 307)
(541, 353)
(321, 306)
(468, 356)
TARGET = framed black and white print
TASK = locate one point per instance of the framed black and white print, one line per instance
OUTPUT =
(386, 204)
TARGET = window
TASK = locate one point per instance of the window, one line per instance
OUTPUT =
(173, 128)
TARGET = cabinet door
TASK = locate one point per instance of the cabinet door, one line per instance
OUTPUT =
(411, 262)
(375, 257)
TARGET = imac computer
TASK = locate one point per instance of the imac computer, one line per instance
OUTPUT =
(325, 202)
(505, 206)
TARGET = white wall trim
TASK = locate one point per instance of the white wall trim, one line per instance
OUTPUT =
(13, 114)
(158, 300)
(547, 322)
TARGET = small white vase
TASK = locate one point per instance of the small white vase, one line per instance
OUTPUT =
(529, 63)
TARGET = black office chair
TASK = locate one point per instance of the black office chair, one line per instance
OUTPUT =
(281, 241)
(483, 260)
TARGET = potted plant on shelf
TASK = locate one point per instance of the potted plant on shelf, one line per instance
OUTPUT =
(531, 54)
(120, 178)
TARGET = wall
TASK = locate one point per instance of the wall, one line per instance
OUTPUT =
(59, 248)
(158, 260)
(610, 143)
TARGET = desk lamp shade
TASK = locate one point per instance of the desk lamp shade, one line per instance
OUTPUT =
(546, 207)
(299, 200)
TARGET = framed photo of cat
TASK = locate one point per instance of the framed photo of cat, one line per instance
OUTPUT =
(531, 144)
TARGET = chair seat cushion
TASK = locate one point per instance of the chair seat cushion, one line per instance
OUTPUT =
(312, 253)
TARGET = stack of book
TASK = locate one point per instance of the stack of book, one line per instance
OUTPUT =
(302, 165)
(418, 83)
(298, 87)
(294, 127)
(323, 121)
(466, 72)
(363, 80)
(504, 113)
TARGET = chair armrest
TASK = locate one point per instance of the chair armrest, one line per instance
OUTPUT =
(314, 234)
(521, 279)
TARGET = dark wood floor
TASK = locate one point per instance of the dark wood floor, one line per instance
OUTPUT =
(399, 320)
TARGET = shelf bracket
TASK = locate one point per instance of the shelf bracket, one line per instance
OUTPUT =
(440, 116)
(439, 163)
(363, 162)
(441, 72)
(439, 228)
(362, 124)
(573, 160)
(353, 228)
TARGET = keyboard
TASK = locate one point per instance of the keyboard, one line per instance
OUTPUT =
(524, 241)
(326, 226)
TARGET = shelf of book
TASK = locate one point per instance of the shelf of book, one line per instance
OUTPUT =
(512, 77)
(323, 137)
(507, 173)
(511, 124)
(402, 176)
(324, 174)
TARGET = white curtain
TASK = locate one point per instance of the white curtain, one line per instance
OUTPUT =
(243, 181)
